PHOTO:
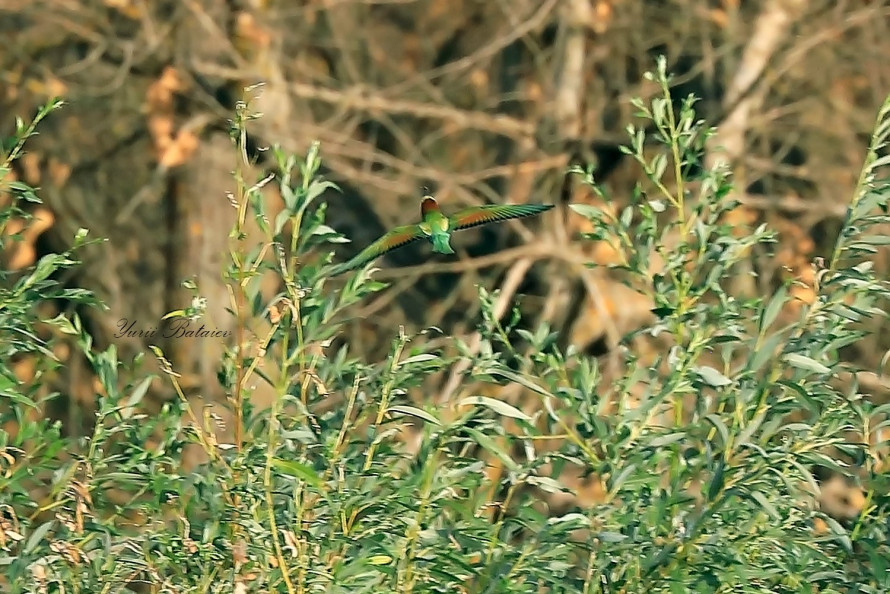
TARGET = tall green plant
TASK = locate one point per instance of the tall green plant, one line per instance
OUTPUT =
(707, 480)
(723, 417)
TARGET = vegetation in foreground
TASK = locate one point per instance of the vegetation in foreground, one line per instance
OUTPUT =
(706, 458)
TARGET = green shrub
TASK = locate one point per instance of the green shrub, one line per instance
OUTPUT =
(706, 455)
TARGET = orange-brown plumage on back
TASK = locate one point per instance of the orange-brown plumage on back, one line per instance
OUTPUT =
(438, 228)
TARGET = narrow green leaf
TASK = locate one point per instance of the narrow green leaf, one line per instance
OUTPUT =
(771, 311)
(317, 187)
(498, 406)
(765, 352)
(875, 240)
(717, 481)
(663, 440)
(136, 397)
(297, 470)
(280, 220)
(546, 484)
(839, 532)
(62, 323)
(489, 444)
(36, 536)
(570, 517)
(587, 211)
(418, 359)
(805, 363)
(414, 412)
(765, 504)
(290, 200)
(718, 424)
(615, 481)
(17, 397)
(802, 395)
(611, 537)
(712, 377)
(519, 379)
(380, 560)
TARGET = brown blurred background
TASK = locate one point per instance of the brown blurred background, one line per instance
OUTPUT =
(483, 101)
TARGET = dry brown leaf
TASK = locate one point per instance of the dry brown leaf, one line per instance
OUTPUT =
(38, 572)
(160, 94)
(24, 252)
(48, 87)
(601, 16)
(24, 370)
(604, 253)
(62, 351)
(439, 9)
(98, 388)
(741, 217)
(802, 295)
(31, 167)
(5, 196)
(274, 314)
(533, 90)
(312, 65)
(160, 128)
(14, 226)
(239, 553)
(56, 87)
(719, 17)
(625, 307)
(128, 8)
(479, 79)
(59, 172)
(841, 500)
(250, 35)
(71, 553)
(180, 150)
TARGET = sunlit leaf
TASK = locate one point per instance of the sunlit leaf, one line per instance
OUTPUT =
(805, 363)
(498, 406)
(414, 412)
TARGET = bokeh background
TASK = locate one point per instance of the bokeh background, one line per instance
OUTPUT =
(484, 101)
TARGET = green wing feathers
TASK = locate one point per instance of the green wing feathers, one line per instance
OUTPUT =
(394, 239)
(481, 215)
(464, 219)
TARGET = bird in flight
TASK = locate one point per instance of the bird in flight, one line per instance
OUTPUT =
(438, 228)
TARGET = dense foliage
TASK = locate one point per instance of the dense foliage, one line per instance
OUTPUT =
(705, 459)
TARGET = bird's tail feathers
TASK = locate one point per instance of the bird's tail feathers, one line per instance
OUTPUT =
(441, 243)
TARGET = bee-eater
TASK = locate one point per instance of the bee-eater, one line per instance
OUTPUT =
(438, 228)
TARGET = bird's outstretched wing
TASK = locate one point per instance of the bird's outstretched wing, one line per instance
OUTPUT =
(394, 239)
(481, 215)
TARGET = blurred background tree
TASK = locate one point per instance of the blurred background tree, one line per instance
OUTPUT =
(483, 101)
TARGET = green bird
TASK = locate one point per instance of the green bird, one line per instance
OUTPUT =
(438, 228)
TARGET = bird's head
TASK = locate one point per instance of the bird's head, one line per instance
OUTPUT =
(428, 205)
